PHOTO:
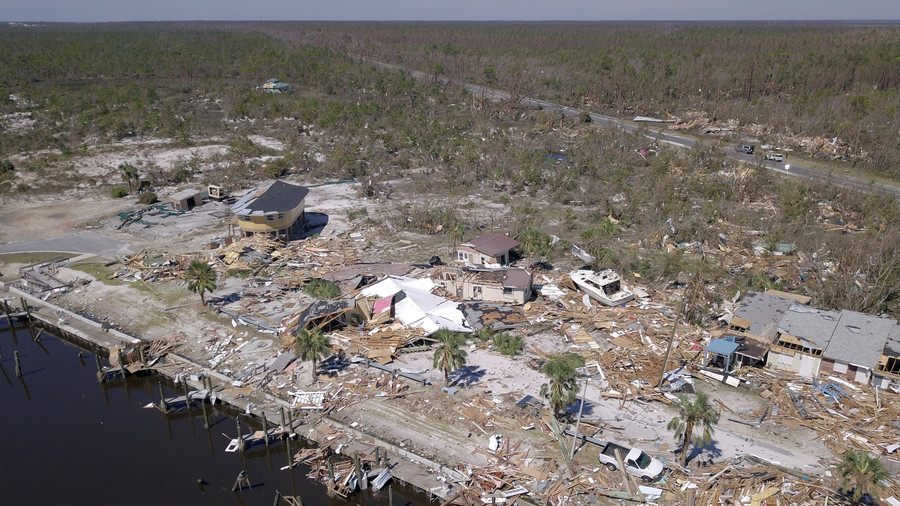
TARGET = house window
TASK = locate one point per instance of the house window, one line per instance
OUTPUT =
(280, 216)
(507, 291)
(270, 217)
(246, 218)
(461, 256)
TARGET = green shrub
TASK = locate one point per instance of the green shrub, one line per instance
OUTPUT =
(148, 198)
(484, 334)
(322, 289)
(118, 193)
(508, 344)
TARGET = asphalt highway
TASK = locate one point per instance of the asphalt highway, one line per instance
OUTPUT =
(674, 139)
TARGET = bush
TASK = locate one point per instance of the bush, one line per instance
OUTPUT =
(118, 193)
(148, 198)
(322, 289)
(509, 344)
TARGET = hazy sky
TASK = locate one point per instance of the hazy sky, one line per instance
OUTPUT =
(529, 10)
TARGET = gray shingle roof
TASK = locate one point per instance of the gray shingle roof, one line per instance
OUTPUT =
(892, 346)
(812, 326)
(763, 311)
(277, 197)
(859, 339)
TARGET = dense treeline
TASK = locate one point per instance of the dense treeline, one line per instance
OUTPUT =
(813, 80)
(620, 196)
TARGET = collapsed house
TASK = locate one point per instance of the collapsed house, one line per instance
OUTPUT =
(512, 286)
(412, 302)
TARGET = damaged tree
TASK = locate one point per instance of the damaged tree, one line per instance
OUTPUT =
(311, 345)
(201, 278)
(448, 356)
(693, 414)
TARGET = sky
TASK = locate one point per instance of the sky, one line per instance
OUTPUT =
(444, 10)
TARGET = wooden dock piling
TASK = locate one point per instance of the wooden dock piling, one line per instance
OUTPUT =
(162, 399)
(187, 396)
(18, 364)
(240, 438)
(9, 319)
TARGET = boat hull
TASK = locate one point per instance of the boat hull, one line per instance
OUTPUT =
(603, 286)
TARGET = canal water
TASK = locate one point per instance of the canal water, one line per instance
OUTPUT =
(66, 439)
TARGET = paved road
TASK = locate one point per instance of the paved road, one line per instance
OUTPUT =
(666, 137)
(82, 242)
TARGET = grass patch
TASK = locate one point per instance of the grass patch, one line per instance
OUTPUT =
(32, 258)
(100, 272)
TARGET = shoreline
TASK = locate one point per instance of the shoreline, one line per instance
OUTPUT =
(407, 468)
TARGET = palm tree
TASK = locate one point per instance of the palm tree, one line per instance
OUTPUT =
(862, 474)
(311, 345)
(448, 356)
(691, 415)
(562, 388)
(129, 174)
(201, 278)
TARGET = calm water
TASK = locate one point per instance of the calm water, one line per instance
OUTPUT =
(69, 440)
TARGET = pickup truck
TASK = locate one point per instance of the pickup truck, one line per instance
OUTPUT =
(775, 157)
(637, 462)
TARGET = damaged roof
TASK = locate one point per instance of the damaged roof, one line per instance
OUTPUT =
(416, 306)
(517, 278)
(763, 311)
(812, 326)
(491, 244)
(892, 346)
(277, 197)
(859, 339)
(320, 309)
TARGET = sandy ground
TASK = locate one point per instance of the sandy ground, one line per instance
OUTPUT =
(425, 421)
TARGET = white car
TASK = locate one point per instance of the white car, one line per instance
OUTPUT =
(775, 157)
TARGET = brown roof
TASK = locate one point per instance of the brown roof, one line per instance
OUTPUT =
(517, 278)
(492, 244)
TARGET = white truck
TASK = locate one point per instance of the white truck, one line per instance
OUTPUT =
(637, 462)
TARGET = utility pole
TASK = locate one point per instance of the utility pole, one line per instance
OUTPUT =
(578, 420)
(662, 374)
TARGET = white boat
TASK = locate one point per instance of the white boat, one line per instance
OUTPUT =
(603, 286)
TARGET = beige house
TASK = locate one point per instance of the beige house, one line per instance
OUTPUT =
(488, 249)
(276, 210)
(512, 286)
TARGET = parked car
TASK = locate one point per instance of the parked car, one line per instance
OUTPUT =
(744, 148)
(637, 462)
(775, 157)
